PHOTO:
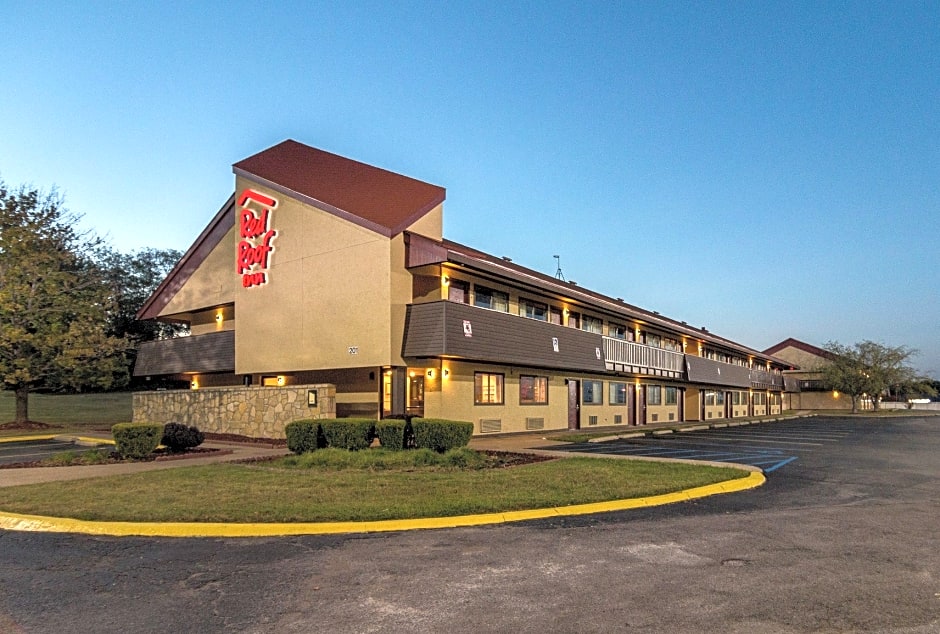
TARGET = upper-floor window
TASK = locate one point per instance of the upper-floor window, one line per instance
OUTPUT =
(574, 320)
(484, 297)
(672, 344)
(592, 324)
(533, 310)
(617, 331)
(654, 340)
(554, 315)
(458, 291)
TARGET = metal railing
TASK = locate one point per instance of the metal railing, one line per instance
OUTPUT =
(635, 354)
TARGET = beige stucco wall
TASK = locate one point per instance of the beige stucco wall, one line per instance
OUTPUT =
(212, 284)
(257, 412)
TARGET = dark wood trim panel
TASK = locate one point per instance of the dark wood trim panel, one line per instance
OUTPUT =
(449, 329)
(213, 352)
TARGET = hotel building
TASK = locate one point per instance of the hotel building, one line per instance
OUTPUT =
(323, 271)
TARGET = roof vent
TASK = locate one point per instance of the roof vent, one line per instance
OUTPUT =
(620, 299)
(507, 259)
(572, 282)
(704, 329)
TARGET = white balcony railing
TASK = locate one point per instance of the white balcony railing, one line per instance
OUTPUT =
(629, 353)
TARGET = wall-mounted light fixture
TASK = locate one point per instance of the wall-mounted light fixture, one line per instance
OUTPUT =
(411, 374)
(431, 373)
(218, 317)
(194, 384)
(446, 372)
(280, 380)
(445, 280)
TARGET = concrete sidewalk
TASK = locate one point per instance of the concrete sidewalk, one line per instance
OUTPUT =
(233, 451)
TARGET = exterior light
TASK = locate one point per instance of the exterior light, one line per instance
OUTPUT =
(446, 372)
(445, 280)
(194, 384)
(280, 380)
(835, 394)
(411, 374)
(431, 373)
(218, 317)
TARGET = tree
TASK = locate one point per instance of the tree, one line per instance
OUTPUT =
(867, 368)
(133, 278)
(54, 301)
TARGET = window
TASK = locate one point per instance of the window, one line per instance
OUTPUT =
(533, 310)
(592, 392)
(458, 291)
(487, 389)
(654, 341)
(618, 394)
(654, 395)
(484, 297)
(593, 324)
(672, 396)
(554, 315)
(719, 398)
(672, 344)
(574, 320)
(617, 331)
(709, 397)
(533, 390)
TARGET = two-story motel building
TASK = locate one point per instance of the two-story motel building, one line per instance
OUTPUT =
(323, 270)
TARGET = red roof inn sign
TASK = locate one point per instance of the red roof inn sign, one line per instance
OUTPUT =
(255, 247)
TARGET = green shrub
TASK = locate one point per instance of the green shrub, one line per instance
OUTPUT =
(391, 433)
(304, 435)
(348, 433)
(179, 437)
(441, 435)
(136, 440)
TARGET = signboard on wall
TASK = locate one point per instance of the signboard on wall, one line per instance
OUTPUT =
(255, 237)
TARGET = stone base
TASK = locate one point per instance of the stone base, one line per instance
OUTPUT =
(257, 412)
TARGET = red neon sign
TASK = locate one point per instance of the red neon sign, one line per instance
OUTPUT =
(255, 246)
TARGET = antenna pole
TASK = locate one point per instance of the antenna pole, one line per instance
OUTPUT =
(558, 274)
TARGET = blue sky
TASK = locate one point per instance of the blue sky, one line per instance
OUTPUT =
(767, 170)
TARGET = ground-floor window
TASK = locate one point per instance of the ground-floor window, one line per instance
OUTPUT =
(760, 398)
(533, 390)
(654, 395)
(592, 392)
(672, 396)
(618, 393)
(487, 388)
(714, 398)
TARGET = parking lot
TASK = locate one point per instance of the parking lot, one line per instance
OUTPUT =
(35, 450)
(768, 446)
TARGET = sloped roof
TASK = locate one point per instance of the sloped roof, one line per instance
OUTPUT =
(425, 250)
(799, 345)
(377, 199)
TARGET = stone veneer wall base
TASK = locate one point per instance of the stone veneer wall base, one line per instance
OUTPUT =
(256, 412)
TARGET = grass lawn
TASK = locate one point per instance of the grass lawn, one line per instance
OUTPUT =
(279, 492)
(71, 412)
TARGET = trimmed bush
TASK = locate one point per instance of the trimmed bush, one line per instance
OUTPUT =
(136, 440)
(348, 433)
(391, 433)
(304, 435)
(179, 437)
(441, 435)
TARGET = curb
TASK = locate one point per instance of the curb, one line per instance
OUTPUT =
(36, 523)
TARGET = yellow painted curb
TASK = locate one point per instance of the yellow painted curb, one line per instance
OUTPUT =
(35, 523)
(27, 438)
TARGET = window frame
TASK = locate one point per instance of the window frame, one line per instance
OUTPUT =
(478, 388)
(493, 294)
(525, 304)
(674, 398)
(597, 390)
(613, 397)
(656, 390)
(536, 380)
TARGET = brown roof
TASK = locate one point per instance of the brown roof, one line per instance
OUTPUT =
(377, 199)
(424, 250)
(799, 345)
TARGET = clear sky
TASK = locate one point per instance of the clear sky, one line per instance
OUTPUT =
(767, 170)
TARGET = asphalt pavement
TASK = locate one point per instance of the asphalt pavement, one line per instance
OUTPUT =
(843, 539)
